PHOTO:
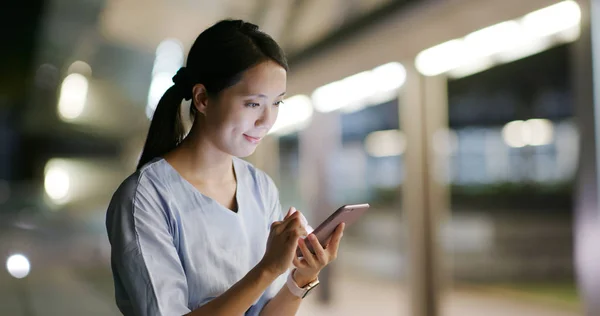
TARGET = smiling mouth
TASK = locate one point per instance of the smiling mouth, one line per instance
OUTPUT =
(254, 140)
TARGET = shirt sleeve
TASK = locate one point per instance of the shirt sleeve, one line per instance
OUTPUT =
(276, 214)
(149, 277)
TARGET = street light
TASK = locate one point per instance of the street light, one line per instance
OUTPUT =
(18, 266)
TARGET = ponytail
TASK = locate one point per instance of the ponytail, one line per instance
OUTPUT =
(166, 129)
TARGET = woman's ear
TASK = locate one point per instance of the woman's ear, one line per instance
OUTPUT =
(200, 98)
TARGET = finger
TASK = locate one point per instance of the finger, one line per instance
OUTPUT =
(275, 224)
(299, 263)
(290, 216)
(308, 256)
(303, 218)
(292, 243)
(288, 225)
(302, 232)
(293, 222)
(319, 251)
(337, 233)
(334, 244)
(291, 211)
(277, 227)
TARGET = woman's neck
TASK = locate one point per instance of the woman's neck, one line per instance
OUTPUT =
(199, 161)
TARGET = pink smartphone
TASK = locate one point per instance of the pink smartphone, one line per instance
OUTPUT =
(347, 214)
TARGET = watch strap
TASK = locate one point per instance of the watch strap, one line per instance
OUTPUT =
(295, 289)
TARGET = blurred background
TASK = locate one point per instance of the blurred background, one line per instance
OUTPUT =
(468, 125)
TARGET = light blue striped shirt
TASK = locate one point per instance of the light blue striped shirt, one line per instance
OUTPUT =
(174, 249)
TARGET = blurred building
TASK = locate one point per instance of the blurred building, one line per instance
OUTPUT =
(460, 121)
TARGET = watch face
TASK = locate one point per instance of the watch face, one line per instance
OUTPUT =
(310, 287)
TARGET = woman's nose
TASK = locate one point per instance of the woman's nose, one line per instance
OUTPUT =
(266, 118)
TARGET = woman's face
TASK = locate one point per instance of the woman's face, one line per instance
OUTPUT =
(242, 114)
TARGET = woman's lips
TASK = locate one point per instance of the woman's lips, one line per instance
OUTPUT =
(254, 140)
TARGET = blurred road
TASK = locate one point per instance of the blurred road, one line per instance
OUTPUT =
(356, 296)
(57, 291)
(54, 291)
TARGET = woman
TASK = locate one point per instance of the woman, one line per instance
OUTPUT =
(197, 230)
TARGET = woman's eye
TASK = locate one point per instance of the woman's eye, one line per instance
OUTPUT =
(278, 103)
(252, 105)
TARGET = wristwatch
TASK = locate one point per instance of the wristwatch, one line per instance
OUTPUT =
(301, 292)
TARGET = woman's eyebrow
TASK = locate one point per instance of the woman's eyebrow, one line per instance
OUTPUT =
(260, 95)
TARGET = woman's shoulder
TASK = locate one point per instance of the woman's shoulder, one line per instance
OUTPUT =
(139, 193)
(144, 180)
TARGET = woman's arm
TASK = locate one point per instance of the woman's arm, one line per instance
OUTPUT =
(307, 270)
(285, 303)
(240, 296)
(280, 250)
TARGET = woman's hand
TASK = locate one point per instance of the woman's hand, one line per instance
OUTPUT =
(308, 268)
(282, 243)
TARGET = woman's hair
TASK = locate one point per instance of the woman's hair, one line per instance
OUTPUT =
(218, 58)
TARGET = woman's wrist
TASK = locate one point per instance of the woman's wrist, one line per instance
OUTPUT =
(302, 279)
(265, 273)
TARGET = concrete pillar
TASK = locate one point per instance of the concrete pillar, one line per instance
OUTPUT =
(423, 116)
(586, 89)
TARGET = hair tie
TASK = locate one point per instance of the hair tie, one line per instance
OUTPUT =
(183, 83)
